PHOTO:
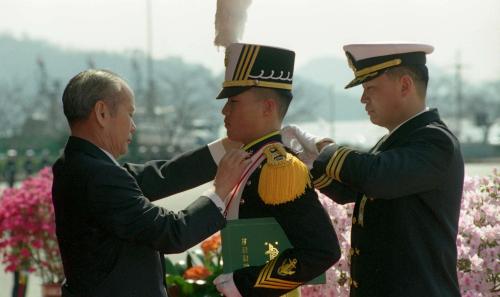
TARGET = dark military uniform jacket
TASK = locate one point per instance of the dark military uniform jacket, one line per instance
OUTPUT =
(407, 192)
(110, 234)
(303, 219)
(307, 226)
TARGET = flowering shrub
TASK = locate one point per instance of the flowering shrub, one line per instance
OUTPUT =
(478, 246)
(194, 276)
(27, 229)
(478, 237)
(337, 276)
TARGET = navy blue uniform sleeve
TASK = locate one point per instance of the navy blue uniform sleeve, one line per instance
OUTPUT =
(340, 193)
(315, 249)
(415, 166)
(158, 179)
(118, 205)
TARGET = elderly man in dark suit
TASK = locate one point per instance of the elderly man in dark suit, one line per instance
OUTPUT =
(407, 188)
(110, 235)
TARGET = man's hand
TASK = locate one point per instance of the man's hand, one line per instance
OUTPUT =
(230, 169)
(308, 145)
(322, 143)
(225, 285)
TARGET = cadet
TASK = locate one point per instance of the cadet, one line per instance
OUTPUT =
(258, 85)
(407, 189)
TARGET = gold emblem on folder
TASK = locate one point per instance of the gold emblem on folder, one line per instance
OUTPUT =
(271, 251)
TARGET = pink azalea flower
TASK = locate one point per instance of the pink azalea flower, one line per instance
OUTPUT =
(478, 246)
(27, 228)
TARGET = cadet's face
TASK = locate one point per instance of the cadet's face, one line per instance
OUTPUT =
(382, 101)
(122, 125)
(242, 114)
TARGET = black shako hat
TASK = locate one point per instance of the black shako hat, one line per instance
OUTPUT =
(370, 60)
(251, 65)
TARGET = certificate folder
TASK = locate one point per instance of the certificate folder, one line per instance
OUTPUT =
(253, 242)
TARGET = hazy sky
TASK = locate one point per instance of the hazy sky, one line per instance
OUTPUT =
(313, 28)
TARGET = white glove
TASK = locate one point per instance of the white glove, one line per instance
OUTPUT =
(306, 140)
(302, 142)
(225, 285)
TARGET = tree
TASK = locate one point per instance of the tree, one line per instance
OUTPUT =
(483, 102)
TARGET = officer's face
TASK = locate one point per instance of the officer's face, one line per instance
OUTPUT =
(121, 125)
(382, 101)
(242, 117)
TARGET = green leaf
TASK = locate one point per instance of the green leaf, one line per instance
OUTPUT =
(187, 289)
(180, 267)
(170, 267)
(175, 280)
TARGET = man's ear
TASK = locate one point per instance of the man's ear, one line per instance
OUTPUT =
(406, 85)
(270, 106)
(101, 112)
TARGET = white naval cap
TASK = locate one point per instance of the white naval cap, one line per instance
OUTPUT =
(369, 60)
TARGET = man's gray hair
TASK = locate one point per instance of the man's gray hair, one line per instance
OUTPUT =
(88, 87)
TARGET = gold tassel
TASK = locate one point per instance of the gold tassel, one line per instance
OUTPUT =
(283, 178)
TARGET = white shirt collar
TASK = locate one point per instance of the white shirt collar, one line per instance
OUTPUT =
(110, 156)
(425, 109)
(383, 139)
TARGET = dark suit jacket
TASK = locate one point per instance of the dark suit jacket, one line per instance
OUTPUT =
(110, 235)
(407, 194)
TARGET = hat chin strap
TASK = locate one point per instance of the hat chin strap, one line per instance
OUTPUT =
(256, 83)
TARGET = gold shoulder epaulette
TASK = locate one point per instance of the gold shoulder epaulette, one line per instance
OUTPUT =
(284, 177)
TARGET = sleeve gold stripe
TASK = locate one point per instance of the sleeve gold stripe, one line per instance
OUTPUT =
(247, 61)
(240, 63)
(254, 56)
(322, 182)
(274, 285)
(266, 281)
(325, 184)
(334, 161)
(341, 163)
(335, 164)
(325, 179)
(266, 275)
(264, 270)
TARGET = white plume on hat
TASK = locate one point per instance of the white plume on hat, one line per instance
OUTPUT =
(230, 19)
